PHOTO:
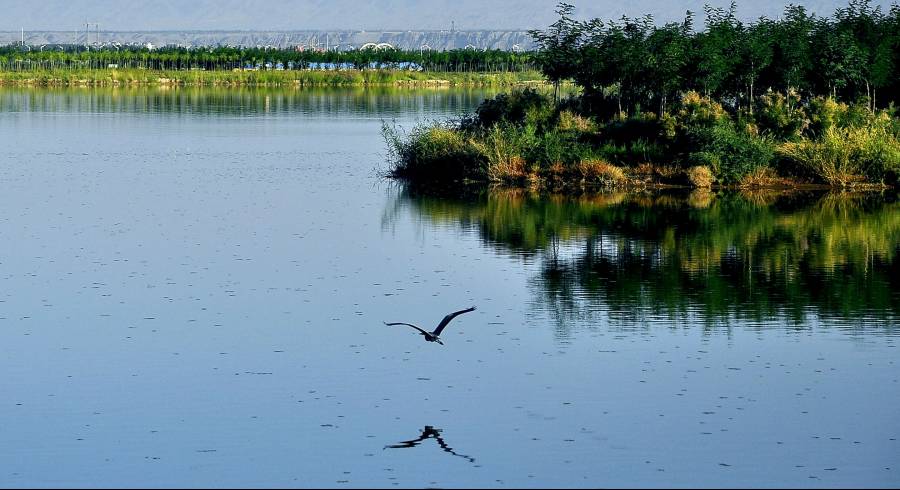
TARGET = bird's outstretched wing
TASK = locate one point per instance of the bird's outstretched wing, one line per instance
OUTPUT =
(408, 325)
(410, 443)
(449, 317)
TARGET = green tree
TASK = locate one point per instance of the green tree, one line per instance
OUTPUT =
(558, 45)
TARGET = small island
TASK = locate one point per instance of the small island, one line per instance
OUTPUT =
(797, 102)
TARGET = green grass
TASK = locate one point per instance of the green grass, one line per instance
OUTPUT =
(844, 157)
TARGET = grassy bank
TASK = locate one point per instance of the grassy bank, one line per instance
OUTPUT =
(116, 77)
(526, 139)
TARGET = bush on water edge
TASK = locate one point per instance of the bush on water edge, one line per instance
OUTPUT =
(525, 138)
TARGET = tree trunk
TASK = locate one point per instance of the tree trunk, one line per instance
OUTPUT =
(751, 98)
(869, 96)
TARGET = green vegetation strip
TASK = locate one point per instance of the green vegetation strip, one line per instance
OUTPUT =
(263, 78)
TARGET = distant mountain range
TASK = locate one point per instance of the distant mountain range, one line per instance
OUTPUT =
(342, 40)
(397, 15)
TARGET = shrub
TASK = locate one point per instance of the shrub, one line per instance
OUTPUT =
(730, 153)
(829, 158)
(700, 176)
(510, 168)
(703, 159)
(600, 172)
(553, 146)
(632, 129)
(632, 152)
(514, 107)
(569, 121)
(503, 146)
(880, 149)
(846, 156)
(825, 113)
(647, 151)
(780, 116)
(696, 110)
(435, 152)
(760, 177)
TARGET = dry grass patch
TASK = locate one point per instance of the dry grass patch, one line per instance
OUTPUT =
(569, 121)
(761, 177)
(598, 171)
(700, 176)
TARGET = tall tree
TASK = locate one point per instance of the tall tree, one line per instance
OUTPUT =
(792, 52)
(558, 46)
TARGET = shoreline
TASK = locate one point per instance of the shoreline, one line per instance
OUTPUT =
(247, 78)
(576, 188)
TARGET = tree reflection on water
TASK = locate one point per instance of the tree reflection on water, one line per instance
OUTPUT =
(751, 256)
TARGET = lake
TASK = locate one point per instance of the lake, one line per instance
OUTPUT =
(194, 285)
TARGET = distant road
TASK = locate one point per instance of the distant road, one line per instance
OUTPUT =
(438, 40)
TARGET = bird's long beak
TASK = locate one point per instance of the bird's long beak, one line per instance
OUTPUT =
(439, 341)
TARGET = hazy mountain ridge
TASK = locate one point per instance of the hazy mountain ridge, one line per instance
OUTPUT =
(439, 40)
(290, 15)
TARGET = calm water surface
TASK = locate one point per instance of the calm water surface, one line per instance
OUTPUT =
(193, 285)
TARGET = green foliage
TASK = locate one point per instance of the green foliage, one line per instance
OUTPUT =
(653, 96)
(436, 152)
(633, 129)
(704, 159)
(554, 147)
(825, 113)
(698, 111)
(629, 65)
(503, 145)
(844, 156)
(557, 54)
(226, 58)
(731, 153)
(523, 136)
(517, 107)
(780, 116)
(569, 121)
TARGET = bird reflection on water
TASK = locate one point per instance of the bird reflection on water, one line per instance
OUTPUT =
(430, 432)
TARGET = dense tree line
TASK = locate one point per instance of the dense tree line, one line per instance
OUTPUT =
(633, 65)
(15, 57)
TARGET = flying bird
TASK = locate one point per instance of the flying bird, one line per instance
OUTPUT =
(435, 335)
